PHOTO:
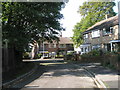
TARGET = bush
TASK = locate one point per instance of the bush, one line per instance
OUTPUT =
(92, 53)
(39, 55)
(70, 53)
(59, 56)
(26, 55)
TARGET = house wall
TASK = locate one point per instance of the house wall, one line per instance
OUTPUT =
(52, 49)
(69, 47)
(102, 39)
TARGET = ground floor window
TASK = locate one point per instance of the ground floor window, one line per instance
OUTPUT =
(81, 49)
(115, 47)
(107, 47)
(97, 46)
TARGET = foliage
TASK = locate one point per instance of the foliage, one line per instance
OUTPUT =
(24, 22)
(26, 55)
(59, 55)
(70, 53)
(39, 55)
(91, 12)
(92, 53)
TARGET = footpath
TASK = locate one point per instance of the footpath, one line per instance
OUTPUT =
(110, 78)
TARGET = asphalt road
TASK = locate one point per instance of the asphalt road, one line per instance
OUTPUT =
(57, 75)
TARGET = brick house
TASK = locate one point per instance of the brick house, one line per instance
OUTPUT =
(62, 47)
(104, 35)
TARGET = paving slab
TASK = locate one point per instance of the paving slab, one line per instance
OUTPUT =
(109, 77)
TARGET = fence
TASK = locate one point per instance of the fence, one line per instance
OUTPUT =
(11, 60)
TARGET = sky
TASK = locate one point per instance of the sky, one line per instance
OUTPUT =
(71, 16)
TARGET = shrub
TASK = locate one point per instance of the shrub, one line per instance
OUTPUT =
(26, 55)
(59, 55)
(92, 53)
(70, 53)
(39, 55)
(95, 53)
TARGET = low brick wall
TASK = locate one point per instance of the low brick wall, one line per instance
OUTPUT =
(107, 60)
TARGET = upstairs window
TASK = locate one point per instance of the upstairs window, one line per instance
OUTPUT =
(62, 46)
(69, 45)
(52, 45)
(107, 31)
(85, 36)
(96, 33)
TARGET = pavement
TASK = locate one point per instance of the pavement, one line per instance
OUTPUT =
(110, 78)
(44, 60)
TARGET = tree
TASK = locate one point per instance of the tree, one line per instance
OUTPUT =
(91, 12)
(24, 22)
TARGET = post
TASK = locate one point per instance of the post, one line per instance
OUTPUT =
(111, 46)
(43, 49)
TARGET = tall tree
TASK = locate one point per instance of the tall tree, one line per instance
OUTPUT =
(24, 22)
(91, 12)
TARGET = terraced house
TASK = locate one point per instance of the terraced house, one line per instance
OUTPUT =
(104, 35)
(62, 47)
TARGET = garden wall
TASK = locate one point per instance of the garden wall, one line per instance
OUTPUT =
(110, 60)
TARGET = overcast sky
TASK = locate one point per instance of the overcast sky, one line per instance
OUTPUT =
(71, 17)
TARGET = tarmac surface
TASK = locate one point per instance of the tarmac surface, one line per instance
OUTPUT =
(59, 74)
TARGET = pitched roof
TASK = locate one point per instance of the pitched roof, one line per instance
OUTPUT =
(104, 23)
(63, 40)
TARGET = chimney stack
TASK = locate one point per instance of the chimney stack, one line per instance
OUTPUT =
(60, 34)
(107, 16)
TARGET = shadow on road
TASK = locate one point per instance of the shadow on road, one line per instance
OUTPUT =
(58, 68)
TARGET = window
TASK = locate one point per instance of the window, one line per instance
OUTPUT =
(85, 36)
(62, 46)
(69, 45)
(86, 49)
(52, 45)
(111, 29)
(95, 33)
(107, 47)
(96, 46)
(107, 31)
(81, 49)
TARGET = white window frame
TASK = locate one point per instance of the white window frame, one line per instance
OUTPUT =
(110, 31)
(63, 46)
(86, 36)
(95, 33)
(52, 45)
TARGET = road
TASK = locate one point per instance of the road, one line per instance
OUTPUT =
(57, 75)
